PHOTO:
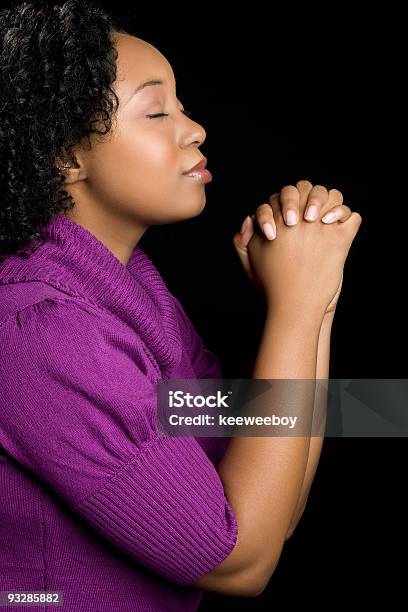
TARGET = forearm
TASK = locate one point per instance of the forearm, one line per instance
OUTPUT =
(316, 442)
(263, 476)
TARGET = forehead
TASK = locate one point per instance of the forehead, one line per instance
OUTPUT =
(137, 62)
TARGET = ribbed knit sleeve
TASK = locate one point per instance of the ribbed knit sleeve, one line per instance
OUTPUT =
(78, 409)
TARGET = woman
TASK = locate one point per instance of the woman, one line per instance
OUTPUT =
(94, 503)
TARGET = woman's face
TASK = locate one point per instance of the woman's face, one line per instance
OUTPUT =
(135, 172)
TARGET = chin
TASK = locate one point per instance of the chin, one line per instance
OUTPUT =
(200, 207)
(192, 208)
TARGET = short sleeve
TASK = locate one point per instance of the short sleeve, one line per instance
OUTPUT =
(205, 363)
(78, 409)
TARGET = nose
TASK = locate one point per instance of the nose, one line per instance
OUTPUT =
(196, 133)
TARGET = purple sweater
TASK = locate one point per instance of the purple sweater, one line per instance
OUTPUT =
(93, 501)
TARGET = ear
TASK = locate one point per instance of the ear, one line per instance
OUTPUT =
(72, 166)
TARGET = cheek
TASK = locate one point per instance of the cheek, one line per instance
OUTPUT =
(137, 162)
(141, 175)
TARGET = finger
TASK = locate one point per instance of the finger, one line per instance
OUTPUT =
(338, 213)
(242, 253)
(304, 187)
(289, 201)
(274, 203)
(256, 228)
(246, 231)
(354, 220)
(335, 199)
(265, 220)
(317, 198)
(350, 227)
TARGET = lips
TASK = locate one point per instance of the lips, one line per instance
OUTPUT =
(200, 166)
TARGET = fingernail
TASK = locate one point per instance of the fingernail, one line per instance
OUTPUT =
(311, 213)
(269, 231)
(244, 225)
(329, 217)
(291, 217)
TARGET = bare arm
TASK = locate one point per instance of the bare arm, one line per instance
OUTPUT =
(316, 442)
(263, 476)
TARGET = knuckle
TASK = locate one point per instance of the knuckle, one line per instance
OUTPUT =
(288, 191)
(264, 213)
(335, 197)
(336, 193)
(304, 183)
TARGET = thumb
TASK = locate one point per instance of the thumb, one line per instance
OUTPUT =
(240, 242)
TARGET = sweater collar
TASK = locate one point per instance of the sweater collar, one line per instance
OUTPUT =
(75, 261)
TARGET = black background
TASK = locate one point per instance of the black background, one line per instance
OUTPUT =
(287, 95)
(317, 96)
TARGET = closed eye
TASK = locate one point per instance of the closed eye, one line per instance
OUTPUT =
(186, 112)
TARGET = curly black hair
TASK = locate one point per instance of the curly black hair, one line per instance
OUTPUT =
(57, 65)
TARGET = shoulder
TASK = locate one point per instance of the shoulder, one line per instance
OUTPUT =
(36, 297)
(43, 323)
(59, 332)
(48, 324)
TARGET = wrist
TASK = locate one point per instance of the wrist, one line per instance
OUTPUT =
(305, 318)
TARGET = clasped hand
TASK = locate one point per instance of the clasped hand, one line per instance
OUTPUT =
(303, 202)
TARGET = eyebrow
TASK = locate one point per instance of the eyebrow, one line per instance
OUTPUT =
(143, 85)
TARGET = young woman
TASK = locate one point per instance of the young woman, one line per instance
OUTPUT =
(94, 504)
